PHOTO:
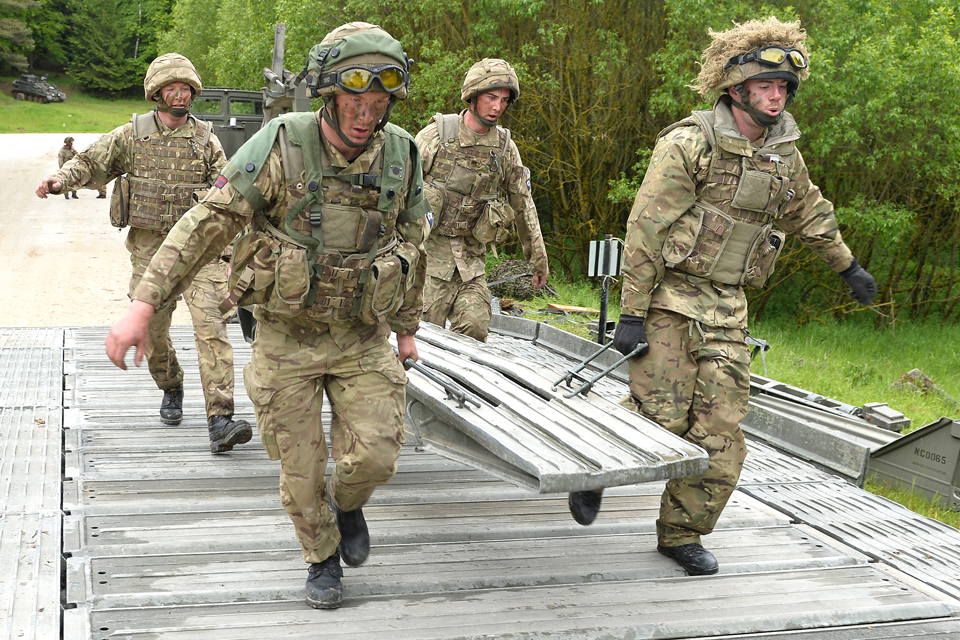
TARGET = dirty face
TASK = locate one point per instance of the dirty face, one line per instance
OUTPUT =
(359, 114)
(767, 95)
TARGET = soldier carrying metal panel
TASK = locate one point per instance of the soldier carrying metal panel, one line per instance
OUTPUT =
(703, 227)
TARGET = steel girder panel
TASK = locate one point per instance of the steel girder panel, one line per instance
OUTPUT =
(526, 432)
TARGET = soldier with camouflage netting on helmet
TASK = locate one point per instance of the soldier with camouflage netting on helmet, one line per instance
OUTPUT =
(333, 260)
(478, 189)
(722, 189)
(162, 161)
(66, 152)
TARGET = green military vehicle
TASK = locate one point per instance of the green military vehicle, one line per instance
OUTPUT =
(236, 114)
(36, 89)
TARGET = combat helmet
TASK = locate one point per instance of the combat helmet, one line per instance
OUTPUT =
(170, 67)
(487, 75)
(756, 49)
(355, 58)
(68, 140)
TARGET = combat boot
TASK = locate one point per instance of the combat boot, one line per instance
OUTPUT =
(171, 409)
(75, 196)
(101, 196)
(66, 196)
(354, 537)
(694, 559)
(323, 583)
(226, 432)
(584, 505)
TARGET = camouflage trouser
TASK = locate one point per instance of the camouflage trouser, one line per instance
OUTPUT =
(364, 383)
(694, 382)
(466, 304)
(214, 351)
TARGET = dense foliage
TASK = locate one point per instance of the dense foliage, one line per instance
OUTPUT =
(599, 79)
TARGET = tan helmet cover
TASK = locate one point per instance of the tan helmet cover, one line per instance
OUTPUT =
(744, 38)
(489, 74)
(68, 140)
(357, 44)
(170, 67)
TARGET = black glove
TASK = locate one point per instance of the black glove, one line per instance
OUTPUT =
(863, 287)
(629, 334)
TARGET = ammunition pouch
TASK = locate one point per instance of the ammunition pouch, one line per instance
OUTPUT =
(708, 243)
(494, 222)
(757, 190)
(120, 202)
(392, 275)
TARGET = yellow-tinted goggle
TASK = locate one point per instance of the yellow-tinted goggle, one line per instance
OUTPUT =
(359, 79)
(770, 57)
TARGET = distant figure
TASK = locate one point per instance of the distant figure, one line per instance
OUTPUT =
(66, 152)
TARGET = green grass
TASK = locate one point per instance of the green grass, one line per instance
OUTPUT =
(80, 113)
(914, 502)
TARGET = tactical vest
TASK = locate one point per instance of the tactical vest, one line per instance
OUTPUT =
(338, 253)
(464, 183)
(166, 172)
(728, 235)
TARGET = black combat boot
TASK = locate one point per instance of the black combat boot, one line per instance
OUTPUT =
(694, 559)
(101, 196)
(323, 583)
(354, 537)
(171, 409)
(584, 505)
(226, 432)
(75, 196)
(66, 196)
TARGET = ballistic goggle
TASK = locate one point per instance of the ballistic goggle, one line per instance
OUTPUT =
(358, 79)
(770, 57)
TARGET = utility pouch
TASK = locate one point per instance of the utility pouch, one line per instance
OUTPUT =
(120, 202)
(350, 229)
(754, 190)
(391, 277)
(494, 222)
(763, 256)
(252, 270)
(461, 180)
(292, 276)
(437, 198)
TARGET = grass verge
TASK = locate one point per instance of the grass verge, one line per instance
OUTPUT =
(80, 113)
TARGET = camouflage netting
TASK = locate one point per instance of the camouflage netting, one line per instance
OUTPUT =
(519, 288)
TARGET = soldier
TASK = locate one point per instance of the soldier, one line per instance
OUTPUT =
(162, 160)
(66, 152)
(700, 229)
(334, 263)
(475, 183)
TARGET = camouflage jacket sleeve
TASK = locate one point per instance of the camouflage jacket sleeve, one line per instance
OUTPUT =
(204, 232)
(667, 190)
(407, 319)
(110, 156)
(215, 159)
(809, 216)
(520, 198)
(428, 141)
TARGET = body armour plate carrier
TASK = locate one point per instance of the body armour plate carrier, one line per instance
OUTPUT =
(167, 172)
(728, 235)
(338, 254)
(464, 183)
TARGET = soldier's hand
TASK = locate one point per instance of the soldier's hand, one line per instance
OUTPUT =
(407, 348)
(129, 331)
(630, 334)
(863, 287)
(48, 185)
(539, 282)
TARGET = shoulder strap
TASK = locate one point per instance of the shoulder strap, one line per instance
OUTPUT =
(506, 138)
(245, 165)
(203, 132)
(144, 124)
(448, 125)
(706, 120)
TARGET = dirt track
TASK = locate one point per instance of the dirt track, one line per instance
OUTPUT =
(65, 264)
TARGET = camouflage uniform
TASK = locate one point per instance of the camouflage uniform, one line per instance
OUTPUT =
(488, 166)
(66, 152)
(300, 353)
(113, 155)
(695, 380)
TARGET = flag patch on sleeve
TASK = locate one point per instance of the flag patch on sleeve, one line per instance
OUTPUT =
(220, 183)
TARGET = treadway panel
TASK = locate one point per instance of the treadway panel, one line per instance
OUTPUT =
(660, 608)
(30, 459)
(30, 575)
(32, 377)
(431, 567)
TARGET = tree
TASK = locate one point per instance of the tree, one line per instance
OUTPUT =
(15, 35)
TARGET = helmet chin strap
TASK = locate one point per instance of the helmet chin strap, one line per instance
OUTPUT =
(176, 111)
(758, 117)
(329, 115)
(473, 109)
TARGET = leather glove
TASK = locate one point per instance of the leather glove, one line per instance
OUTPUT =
(863, 287)
(629, 333)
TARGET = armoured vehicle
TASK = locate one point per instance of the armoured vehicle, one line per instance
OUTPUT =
(235, 114)
(36, 89)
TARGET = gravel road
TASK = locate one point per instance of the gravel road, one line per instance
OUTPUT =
(66, 266)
